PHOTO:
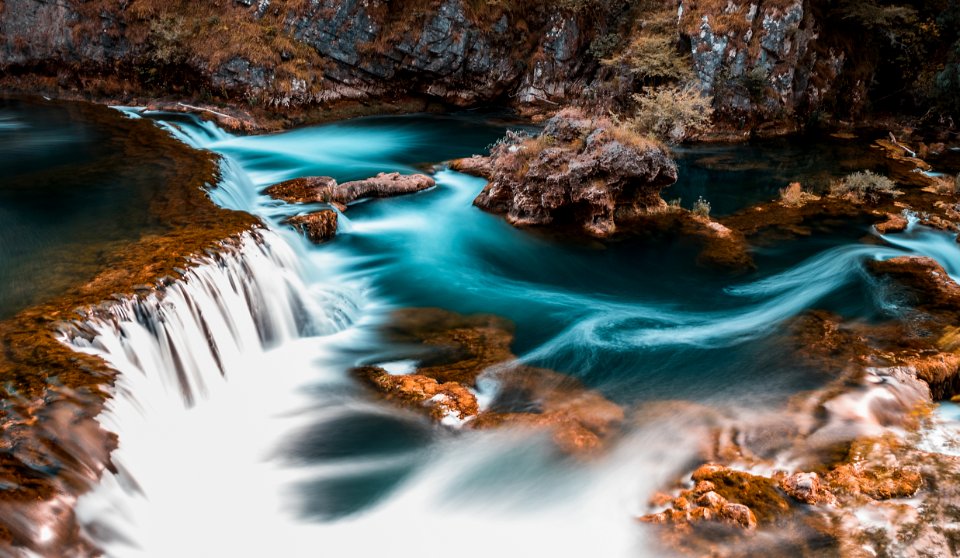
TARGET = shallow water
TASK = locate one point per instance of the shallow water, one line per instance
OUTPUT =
(67, 191)
(266, 446)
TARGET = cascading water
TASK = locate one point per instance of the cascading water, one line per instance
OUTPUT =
(241, 435)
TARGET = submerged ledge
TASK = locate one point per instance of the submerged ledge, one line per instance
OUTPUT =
(53, 448)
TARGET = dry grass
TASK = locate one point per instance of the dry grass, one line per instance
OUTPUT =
(864, 186)
(672, 113)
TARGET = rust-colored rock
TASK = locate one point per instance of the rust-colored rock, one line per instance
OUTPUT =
(441, 401)
(477, 165)
(759, 494)
(319, 227)
(311, 189)
(581, 171)
(455, 349)
(806, 488)
(323, 189)
(895, 222)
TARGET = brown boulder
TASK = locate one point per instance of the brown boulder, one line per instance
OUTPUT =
(894, 223)
(476, 165)
(311, 189)
(319, 227)
(806, 488)
(383, 185)
(453, 350)
(581, 171)
(323, 189)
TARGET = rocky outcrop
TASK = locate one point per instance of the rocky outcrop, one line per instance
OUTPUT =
(579, 171)
(755, 57)
(323, 189)
(319, 226)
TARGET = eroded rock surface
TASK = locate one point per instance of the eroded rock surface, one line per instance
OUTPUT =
(580, 171)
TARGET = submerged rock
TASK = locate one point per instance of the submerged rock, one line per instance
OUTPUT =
(319, 227)
(454, 351)
(323, 189)
(580, 171)
(443, 401)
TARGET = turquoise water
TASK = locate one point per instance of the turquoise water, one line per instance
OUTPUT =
(282, 453)
(638, 319)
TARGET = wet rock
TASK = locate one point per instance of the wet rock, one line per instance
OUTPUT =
(383, 185)
(477, 165)
(319, 227)
(739, 515)
(874, 468)
(454, 350)
(442, 401)
(581, 171)
(324, 189)
(894, 223)
(760, 494)
(806, 488)
(312, 189)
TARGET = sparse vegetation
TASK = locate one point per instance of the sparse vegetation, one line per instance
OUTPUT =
(701, 208)
(654, 58)
(864, 186)
(795, 196)
(672, 113)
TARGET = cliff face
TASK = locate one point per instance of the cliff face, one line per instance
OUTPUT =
(760, 58)
(767, 63)
(294, 53)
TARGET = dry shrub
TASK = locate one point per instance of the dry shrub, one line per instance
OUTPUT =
(654, 57)
(864, 186)
(795, 196)
(701, 208)
(672, 113)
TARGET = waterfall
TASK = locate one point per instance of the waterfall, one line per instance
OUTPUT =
(239, 302)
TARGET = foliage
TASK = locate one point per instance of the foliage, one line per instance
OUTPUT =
(864, 186)
(654, 58)
(672, 113)
(795, 196)
(701, 208)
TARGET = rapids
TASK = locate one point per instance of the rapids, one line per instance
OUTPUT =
(242, 435)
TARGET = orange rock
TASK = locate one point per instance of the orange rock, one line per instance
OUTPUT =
(894, 223)
(806, 488)
(739, 515)
(319, 226)
(439, 400)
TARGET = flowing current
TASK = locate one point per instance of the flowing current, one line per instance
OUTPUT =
(241, 433)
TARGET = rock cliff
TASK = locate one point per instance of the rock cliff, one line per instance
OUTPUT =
(769, 65)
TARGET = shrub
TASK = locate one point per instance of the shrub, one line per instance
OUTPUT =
(864, 186)
(701, 208)
(672, 113)
(795, 196)
(654, 58)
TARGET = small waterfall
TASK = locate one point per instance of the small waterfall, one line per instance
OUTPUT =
(204, 363)
(241, 301)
